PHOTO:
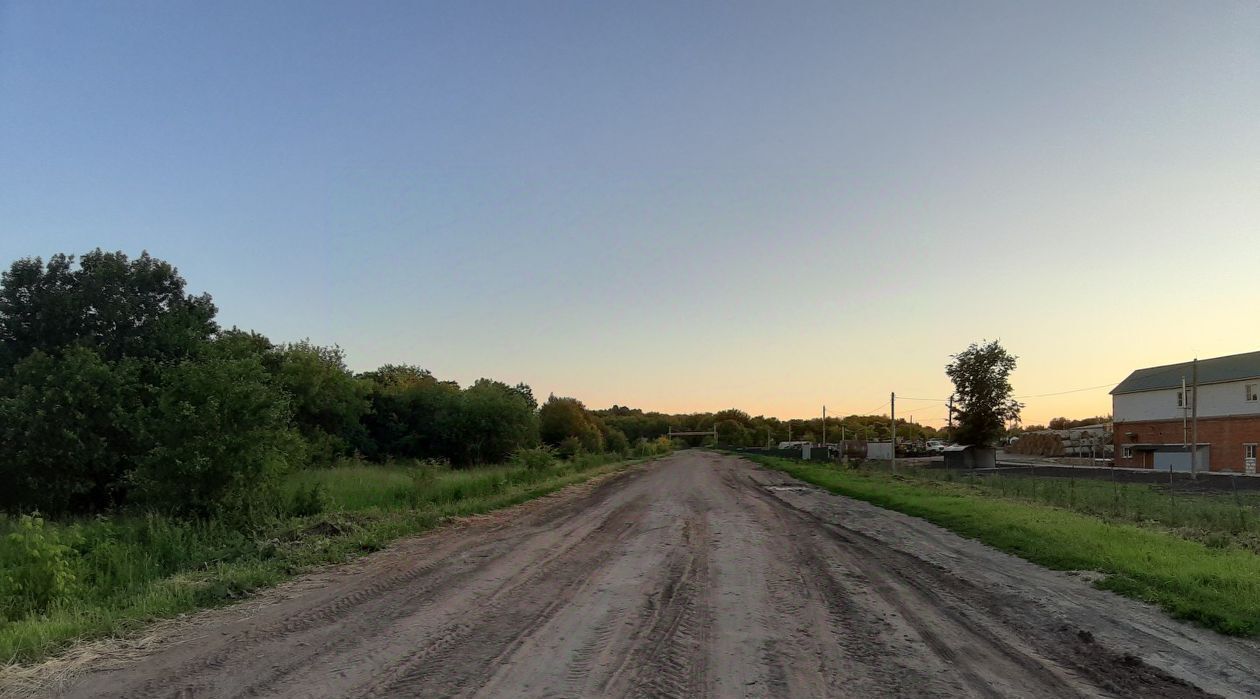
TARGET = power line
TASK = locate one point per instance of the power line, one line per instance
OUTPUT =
(1173, 370)
(1061, 393)
(872, 412)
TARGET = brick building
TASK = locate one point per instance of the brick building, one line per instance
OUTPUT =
(1152, 415)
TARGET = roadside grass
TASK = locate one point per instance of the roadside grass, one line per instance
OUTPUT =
(127, 571)
(1217, 587)
(1215, 518)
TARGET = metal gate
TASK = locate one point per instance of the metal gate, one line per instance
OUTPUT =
(1172, 460)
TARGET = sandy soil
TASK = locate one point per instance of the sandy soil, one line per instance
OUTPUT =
(697, 575)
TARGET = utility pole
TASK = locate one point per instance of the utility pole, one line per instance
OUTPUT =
(949, 432)
(1185, 411)
(824, 429)
(789, 430)
(892, 401)
(1194, 421)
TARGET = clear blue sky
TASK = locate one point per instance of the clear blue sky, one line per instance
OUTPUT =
(678, 206)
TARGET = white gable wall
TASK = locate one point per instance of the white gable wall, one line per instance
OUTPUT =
(1215, 400)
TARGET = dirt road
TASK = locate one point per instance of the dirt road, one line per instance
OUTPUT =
(697, 575)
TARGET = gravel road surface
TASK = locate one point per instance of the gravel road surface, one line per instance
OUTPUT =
(698, 575)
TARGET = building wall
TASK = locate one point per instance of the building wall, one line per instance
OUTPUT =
(1215, 400)
(1225, 435)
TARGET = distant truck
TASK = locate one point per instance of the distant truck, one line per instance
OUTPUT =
(935, 446)
(793, 445)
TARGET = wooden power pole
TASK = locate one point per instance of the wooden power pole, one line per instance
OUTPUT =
(1194, 420)
(892, 401)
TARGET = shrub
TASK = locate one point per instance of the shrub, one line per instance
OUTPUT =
(308, 501)
(328, 401)
(36, 568)
(535, 459)
(564, 418)
(569, 448)
(653, 447)
(409, 408)
(491, 421)
(223, 439)
(70, 428)
(424, 476)
(615, 441)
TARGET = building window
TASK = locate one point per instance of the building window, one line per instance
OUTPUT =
(1128, 452)
(1249, 451)
(1183, 398)
(1251, 391)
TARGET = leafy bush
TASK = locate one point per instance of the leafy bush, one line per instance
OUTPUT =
(564, 418)
(615, 441)
(655, 447)
(733, 433)
(490, 422)
(223, 439)
(536, 458)
(569, 448)
(70, 428)
(308, 501)
(410, 408)
(328, 401)
(36, 568)
(423, 476)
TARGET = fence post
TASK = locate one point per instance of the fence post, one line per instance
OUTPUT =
(1115, 490)
(1242, 512)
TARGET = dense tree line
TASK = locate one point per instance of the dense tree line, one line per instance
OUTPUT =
(737, 428)
(118, 389)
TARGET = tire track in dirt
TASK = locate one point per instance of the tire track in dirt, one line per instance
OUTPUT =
(976, 630)
(668, 661)
(468, 652)
(988, 665)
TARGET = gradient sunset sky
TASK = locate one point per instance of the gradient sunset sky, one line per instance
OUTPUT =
(678, 206)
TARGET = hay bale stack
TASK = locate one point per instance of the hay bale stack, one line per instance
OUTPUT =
(1038, 444)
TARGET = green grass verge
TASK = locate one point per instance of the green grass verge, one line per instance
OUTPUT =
(128, 571)
(1217, 587)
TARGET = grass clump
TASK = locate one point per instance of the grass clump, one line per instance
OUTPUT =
(1217, 587)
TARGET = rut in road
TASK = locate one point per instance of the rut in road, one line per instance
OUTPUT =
(696, 575)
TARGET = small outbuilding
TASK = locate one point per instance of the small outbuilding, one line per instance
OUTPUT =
(879, 450)
(969, 456)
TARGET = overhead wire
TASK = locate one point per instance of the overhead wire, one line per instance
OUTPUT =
(1173, 369)
(1062, 393)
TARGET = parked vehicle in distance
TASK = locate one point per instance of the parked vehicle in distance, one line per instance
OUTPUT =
(793, 445)
(935, 446)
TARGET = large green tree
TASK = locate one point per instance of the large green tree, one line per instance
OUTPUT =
(491, 421)
(328, 401)
(732, 432)
(411, 413)
(565, 418)
(982, 392)
(121, 307)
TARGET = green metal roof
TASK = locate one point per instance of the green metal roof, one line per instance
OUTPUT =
(1235, 367)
